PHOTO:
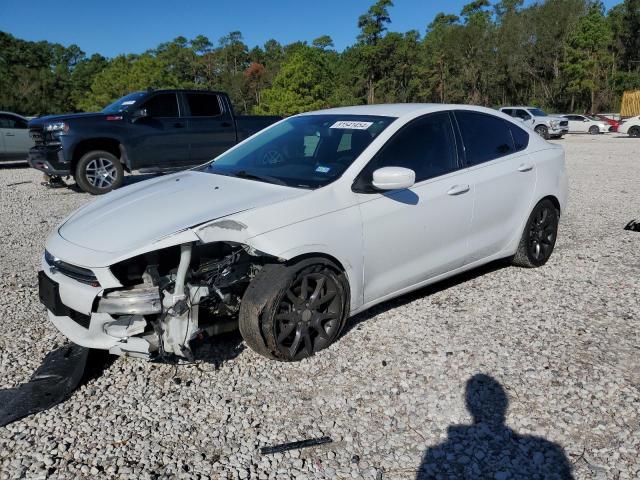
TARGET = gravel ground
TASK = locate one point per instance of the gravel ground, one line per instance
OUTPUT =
(557, 347)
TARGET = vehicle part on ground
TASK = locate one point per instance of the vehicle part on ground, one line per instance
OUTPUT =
(53, 382)
(539, 236)
(283, 447)
(594, 130)
(633, 225)
(634, 132)
(290, 312)
(99, 172)
(543, 131)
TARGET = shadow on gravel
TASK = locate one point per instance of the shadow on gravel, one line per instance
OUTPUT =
(488, 448)
(218, 349)
(423, 292)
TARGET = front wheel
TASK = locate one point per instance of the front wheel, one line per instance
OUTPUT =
(292, 312)
(543, 131)
(539, 236)
(593, 130)
(634, 132)
(99, 172)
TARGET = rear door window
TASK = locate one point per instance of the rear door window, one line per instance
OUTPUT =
(162, 105)
(485, 137)
(203, 105)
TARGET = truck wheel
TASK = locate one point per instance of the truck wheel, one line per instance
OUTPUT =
(634, 132)
(290, 312)
(543, 131)
(593, 130)
(99, 172)
(539, 236)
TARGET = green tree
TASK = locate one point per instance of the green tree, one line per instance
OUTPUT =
(303, 83)
(372, 26)
(588, 57)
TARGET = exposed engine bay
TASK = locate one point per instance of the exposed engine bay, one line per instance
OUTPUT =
(171, 297)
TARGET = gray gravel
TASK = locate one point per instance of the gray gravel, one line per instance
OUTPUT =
(560, 341)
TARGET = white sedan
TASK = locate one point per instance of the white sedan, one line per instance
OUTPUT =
(301, 226)
(585, 124)
(630, 126)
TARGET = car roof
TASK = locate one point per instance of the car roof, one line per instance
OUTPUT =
(518, 106)
(399, 109)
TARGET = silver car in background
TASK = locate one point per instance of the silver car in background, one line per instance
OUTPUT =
(585, 124)
(14, 137)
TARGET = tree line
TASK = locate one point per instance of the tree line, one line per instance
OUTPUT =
(562, 55)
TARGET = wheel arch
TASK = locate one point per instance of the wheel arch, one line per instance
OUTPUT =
(108, 144)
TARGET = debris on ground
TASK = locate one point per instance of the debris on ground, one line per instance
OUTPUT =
(283, 447)
(53, 382)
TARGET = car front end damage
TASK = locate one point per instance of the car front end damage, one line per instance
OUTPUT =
(153, 304)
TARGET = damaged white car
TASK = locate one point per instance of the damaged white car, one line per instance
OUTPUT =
(310, 221)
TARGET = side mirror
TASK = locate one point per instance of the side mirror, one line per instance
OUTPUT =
(393, 178)
(520, 119)
(139, 113)
(585, 120)
(528, 117)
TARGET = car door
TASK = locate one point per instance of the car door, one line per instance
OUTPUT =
(210, 125)
(415, 234)
(504, 179)
(15, 137)
(160, 139)
(577, 124)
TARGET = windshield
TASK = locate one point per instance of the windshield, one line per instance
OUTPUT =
(536, 112)
(123, 103)
(309, 151)
(591, 117)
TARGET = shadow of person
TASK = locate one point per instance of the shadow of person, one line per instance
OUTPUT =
(488, 448)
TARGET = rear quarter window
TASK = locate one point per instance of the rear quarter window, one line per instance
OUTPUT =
(520, 137)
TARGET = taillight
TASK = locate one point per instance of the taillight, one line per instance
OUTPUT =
(112, 118)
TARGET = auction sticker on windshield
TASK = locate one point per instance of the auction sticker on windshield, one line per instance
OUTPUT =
(351, 125)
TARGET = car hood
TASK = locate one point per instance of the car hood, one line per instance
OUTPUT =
(132, 217)
(40, 121)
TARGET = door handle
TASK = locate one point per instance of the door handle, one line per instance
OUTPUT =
(225, 124)
(458, 189)
(10, 134)
(178, 125)
(525, 167)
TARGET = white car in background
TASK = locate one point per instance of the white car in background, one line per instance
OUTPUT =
(630, 126)
(585, 124)
(14, 137)
(547, 126)
(308, 222)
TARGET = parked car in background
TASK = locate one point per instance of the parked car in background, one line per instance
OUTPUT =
(585, 124)
(610, 120)
(14, 137)
(546, 126)
(630, 126)
(150, 131)
(313, 220)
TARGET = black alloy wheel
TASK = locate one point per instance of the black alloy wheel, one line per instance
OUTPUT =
(539, 236)
(309, 314)
(291, 312)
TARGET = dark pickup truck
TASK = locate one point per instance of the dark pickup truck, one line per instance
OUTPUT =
(151, 131)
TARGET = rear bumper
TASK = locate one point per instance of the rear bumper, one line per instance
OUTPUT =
(49, 160)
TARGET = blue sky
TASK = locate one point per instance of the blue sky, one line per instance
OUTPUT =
(133, 26)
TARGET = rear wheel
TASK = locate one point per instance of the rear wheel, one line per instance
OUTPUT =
(543, 131)
(291, 312)
(634, 132)
(593, 130)
(99, 172)
(539, 236)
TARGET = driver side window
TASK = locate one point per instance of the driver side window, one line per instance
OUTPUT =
(162, 105)
(425, 145)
